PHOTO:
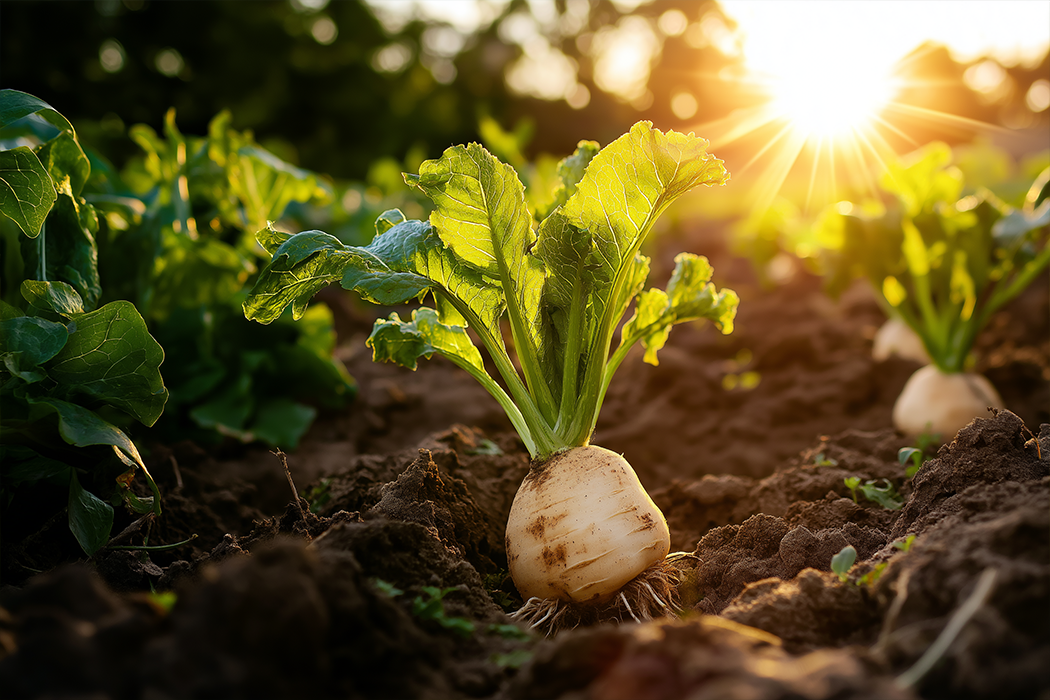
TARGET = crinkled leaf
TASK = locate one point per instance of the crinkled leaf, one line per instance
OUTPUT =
(301, 266)
(90, 518)
(690, 296)
(113, 358)
(401, 342)
(570, 171)
(388, 220)
(271, 239)
(26, 190)
(629, 183)
(56, 297)
(480, 214)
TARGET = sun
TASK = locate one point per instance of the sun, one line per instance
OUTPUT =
(827, 102)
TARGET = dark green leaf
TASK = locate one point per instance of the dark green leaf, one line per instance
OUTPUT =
(22, 465)
(70, 253)
(33, 340)
(282, 422)
(26, 190)
(301, 266)
(80, 427)
(63, 157)
(15, 105)
(228, 410)
(113, 358)
(90, 518)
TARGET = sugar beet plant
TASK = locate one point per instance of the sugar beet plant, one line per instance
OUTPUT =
(942, 263)
(584, 539)
(70, 368)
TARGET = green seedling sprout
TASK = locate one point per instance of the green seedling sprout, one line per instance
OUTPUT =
(842, 562)
(852, 482)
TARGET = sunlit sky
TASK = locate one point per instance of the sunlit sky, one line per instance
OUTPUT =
(826, 65)
(1009, 30)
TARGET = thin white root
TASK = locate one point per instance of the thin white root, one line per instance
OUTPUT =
(650, 595)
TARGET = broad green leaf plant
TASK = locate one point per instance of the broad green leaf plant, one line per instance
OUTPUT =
(943, 263)
(561, 286)
(70, 370)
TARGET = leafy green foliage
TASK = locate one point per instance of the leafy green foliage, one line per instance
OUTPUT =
(941, 261)
(562, 287)
(183, 217)
(66, 363)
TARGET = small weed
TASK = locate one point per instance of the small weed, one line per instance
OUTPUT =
(429, 607)
(842, 562)
(886, 496)
(513, 660)
(486, 447)
(852, 482)
(319, 495)
(872, 576)
(918, 453)
(905, 544)
(821, 461)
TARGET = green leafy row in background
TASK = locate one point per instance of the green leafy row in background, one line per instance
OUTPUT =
(940, 259)
(783, 232)
(72, 371)
(180, 218)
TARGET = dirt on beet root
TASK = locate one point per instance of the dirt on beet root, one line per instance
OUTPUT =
(387, 578)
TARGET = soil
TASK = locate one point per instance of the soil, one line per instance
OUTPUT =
(386, 576)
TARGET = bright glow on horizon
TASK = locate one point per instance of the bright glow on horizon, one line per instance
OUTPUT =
(827, 68)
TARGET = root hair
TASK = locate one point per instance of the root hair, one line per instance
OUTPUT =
(650, 595)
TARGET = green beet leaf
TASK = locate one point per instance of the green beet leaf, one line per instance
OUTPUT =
(112, 357)
(90, 518)
(57, 298)
(26, 191)
(27, 342)
(15, 105)
(562, 287)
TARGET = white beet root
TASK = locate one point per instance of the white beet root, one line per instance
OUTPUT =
(940, 403)
(895, 337)
(581, 527)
